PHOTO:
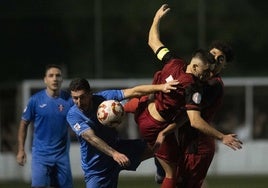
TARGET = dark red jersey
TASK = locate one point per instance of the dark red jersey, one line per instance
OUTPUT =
(212, 96)
(197, 147)
(213, 92)
(170, 104)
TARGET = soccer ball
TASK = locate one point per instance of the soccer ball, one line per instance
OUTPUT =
(110, 113)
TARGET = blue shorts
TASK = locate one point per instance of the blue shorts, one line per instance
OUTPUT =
(51, 172)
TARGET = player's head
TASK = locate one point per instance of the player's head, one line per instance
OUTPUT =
(53, 77)
(223, 53)
(81, 93)
(200, 64)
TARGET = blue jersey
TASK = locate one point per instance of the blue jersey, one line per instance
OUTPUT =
(100, 170)
(48, 114)
(93, 160)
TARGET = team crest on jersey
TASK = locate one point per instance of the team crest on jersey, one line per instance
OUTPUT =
(196, 98)
(60, 107)
(77, 127)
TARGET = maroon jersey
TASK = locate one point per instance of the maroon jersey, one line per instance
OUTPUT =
(212, 101)
(199, 148)
(212, 98)
(170, 104)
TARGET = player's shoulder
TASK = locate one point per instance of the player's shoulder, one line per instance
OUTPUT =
(73, 111)
(215, 81)
(38, 94)
(188, 79)
(176, 62)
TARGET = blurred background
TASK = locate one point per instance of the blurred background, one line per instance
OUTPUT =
(106, 42)
(103, 39)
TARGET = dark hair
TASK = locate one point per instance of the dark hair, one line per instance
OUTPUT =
(204, 55)
(49, 66)
(225, 47)
(79, 84)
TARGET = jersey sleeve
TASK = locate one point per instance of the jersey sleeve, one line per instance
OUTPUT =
(193, 97)
(28, 112)
(77, 122)
(116, 94)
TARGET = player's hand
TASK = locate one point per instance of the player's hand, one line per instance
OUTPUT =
(159, 140)
(21, 158)
(121, 159)
(232, 141)
(162, 11)
(171, 85)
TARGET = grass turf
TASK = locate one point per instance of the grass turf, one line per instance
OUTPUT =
(148, 182)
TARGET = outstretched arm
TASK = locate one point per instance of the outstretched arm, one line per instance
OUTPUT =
(199, 123)
(154, 35)
(148, 89)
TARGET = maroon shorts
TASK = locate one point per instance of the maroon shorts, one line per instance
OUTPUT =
(149, 129)
(193, 169)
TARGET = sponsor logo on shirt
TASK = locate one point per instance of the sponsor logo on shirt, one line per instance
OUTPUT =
(77, 127)
(42, 105)
(196, 98)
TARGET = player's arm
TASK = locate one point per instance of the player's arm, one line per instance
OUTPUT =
(148, 89)
(172, 127)
(162, 135)
(154, 34)
(193, 97)
(90, 137)
(22, 134)
(199, 123)
(162, 52)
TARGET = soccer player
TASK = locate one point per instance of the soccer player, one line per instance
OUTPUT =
(164, 110)
(199, 153)
(47, 109)
(198, 149)
(103, 153)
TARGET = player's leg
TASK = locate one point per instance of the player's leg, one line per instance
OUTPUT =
(131, 105)
(107, 181)
(40, 174)
(167, 155)
(64, 173)
(160, 172)
(136, 150)
(170, 174)
(197, 166)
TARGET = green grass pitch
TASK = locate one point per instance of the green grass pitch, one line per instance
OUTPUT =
(148, 182)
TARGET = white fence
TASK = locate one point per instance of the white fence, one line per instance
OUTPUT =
(244, 96)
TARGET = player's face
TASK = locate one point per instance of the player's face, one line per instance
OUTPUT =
(82, 99)
(53, 79)
(200, 68)
(220, 58)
